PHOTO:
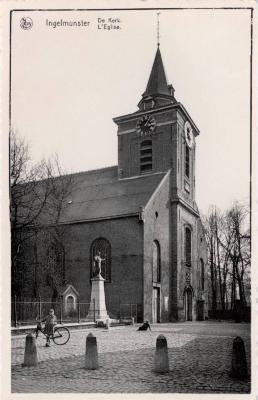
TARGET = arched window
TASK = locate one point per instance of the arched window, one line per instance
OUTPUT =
(187, 161)
(146, 156)
(156, 262)
(55, 264)
(51, 256)
(103, 247)
(202, 273)
(188, 247)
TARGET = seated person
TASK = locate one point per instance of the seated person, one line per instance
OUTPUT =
(145, 326)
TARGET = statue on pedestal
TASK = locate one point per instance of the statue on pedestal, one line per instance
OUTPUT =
(98, 309)
(98, 260)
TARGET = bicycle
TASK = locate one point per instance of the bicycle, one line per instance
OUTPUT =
(60, 336)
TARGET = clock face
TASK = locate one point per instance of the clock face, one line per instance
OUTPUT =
(145, 125)
(188, 134)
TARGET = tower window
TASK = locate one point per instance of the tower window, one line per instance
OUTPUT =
(188, 247)
(187, 161)
(146, 156)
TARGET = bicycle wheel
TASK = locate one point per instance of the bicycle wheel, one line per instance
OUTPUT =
(61, 335)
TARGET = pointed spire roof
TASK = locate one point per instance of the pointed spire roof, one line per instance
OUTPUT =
(157, 83)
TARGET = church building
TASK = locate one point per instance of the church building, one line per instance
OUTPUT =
(141, 215)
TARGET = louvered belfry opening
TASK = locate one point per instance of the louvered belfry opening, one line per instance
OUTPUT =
(146, 156)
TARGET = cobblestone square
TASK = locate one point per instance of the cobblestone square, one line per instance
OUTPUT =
(199, 359)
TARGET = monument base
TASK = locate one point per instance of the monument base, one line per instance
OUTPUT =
(98, 310)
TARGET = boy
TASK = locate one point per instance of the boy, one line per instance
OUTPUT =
(51, 322)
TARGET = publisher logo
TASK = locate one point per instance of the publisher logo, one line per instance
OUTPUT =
(26, 23)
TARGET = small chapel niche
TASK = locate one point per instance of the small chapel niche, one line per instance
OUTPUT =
(70, 298)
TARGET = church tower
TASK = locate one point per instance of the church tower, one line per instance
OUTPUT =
(160, 137)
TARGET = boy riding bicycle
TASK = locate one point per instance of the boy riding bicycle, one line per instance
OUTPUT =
(50, 323)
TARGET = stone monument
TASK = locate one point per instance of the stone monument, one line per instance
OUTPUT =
(98, 293)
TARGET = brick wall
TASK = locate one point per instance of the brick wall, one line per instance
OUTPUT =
(156, 227)
(126, 238)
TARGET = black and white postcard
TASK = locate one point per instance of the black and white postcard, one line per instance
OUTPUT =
(128, 201)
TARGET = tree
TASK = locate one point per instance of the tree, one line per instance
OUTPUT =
(237, 229)
(228, 240)
(61, 186)
(38, 199)
(28, 197)
(210, 233)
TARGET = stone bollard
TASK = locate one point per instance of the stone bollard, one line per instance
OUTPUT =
(133, 321)
(30, 354)
(107, 323)
(161, 364)
(91, 356)
(239, 364)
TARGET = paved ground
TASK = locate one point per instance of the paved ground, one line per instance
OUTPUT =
(199, 358)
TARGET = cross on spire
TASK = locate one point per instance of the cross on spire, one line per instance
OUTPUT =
(158, 35)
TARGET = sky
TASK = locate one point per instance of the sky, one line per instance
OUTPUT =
(69, 82)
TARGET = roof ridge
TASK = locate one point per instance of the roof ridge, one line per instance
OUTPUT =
(89, 171)
(78, 173)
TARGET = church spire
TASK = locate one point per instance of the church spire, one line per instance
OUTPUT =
(157, 83)
(158, 92)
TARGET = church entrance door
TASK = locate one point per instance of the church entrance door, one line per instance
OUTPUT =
(156, 305)
(200, 310)
(188, 304)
